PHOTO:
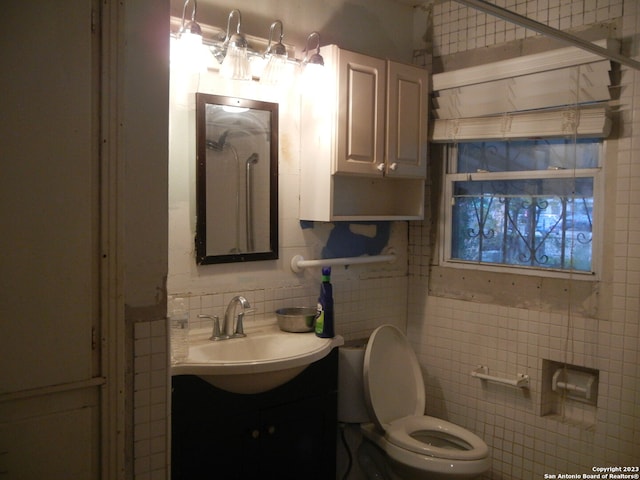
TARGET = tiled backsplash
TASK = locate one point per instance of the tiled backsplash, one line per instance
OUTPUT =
(360, 304)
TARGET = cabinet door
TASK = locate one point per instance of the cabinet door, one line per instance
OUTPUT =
(216, 444)
(361, 114)
(299, 439)
(406, 121)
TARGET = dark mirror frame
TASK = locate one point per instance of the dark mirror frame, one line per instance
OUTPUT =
(202, 258)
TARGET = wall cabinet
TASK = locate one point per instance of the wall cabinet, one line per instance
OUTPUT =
(287, 433)
(364, 140)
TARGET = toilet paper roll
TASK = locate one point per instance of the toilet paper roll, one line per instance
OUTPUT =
(351, 403)
(577, 384)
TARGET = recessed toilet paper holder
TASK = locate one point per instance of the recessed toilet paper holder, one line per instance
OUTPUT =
(576, 384)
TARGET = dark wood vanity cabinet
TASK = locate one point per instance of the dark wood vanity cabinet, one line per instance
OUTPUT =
(286, 433)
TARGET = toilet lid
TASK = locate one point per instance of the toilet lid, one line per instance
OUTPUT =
(392, 378)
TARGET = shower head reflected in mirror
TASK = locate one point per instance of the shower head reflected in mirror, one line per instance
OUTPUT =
(253, 159)
(219, 145)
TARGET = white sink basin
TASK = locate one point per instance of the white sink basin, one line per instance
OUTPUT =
(265, 359)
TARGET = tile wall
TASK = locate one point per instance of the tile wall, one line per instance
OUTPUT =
(150, 400)
(452, 337)
(459, 335)
(458, 28)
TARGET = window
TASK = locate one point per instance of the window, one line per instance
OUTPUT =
(524, 142)
(527, 204)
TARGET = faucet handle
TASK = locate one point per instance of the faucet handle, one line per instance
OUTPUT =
(216, 334)
(239, 332)
(216, 327)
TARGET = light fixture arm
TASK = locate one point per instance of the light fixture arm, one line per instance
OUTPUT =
(231, 15)
(277, 48)
(192, 26)
(315, 58)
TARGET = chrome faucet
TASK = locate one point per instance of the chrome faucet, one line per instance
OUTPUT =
(229, 314)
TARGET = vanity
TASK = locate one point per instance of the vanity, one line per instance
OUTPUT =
(261, 405)
(288, 432)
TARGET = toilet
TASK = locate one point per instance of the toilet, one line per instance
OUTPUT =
(399, 441)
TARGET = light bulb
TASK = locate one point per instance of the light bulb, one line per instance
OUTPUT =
(235, 64)
(313, 77)
(188, 54)
(276, 71)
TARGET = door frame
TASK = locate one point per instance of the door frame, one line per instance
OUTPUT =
(109, 18)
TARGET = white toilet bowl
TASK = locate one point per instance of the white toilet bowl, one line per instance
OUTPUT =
(416, 446)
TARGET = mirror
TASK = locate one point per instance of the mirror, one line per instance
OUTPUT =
(236, 179)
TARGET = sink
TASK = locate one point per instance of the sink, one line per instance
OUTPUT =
(265, 359)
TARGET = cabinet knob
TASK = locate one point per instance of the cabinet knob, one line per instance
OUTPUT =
(255, 433)
(380, 167)
(271, 430)
(393, 167)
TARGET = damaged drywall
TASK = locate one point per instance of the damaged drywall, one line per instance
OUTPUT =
(520, 291)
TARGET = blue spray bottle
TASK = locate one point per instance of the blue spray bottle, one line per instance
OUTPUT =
(324, 317)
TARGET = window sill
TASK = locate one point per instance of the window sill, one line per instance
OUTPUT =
(520, 270)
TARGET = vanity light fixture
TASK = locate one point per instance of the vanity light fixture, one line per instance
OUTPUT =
(276, 69)
(190, 53)
(237, 59)
(192, 28)
(236, 62)
(313, 64)
(316, 58)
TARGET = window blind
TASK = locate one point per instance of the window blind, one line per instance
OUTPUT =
(556, 93)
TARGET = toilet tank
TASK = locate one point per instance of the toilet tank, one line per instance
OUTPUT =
(351, 403)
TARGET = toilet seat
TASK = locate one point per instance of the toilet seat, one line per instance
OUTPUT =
(440, 438)
(395, 399)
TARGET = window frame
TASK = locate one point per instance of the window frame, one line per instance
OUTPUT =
(449, 152)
